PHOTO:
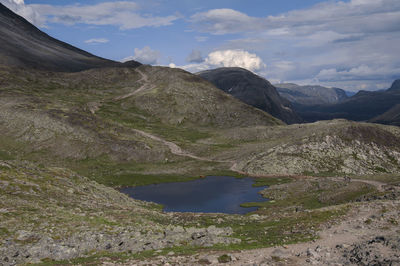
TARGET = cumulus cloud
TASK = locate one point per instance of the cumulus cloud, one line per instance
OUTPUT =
(123, 14)
(235, 58)
(228, 58)
(97, 41)
(145, 56)
(195, 57)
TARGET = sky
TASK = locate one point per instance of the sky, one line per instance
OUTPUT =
(352, 44)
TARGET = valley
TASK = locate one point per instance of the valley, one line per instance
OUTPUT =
(75, 129)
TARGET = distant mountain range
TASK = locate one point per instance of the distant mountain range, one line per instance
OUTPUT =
(24, 45)
(310, 94)
(363, 106)
(253, 90)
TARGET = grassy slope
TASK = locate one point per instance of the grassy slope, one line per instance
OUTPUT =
(74, 120)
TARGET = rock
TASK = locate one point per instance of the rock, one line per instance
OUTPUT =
(224, 258)
(198, 235)
(204, 261)
(280, 253)
(312, 253)
(23, 235)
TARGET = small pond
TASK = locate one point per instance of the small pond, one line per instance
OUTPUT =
(222, 194)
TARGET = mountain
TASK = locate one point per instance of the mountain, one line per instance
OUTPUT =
(363, 106)
(390, 117)
(251, 89)
(24, 45)
(310, 94)
(350, 93)
(70, 139)
(395, 86)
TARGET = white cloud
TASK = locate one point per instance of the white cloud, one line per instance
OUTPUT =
(145, 56)
(195, 57)
(122, 14)
(341, 17)
(356, 73)
(349, 44)
(97, 41)
(222, 21)
(26, 11)
(228, 58)
(235, 58)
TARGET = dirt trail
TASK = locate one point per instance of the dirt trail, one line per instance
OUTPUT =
(175, 149)
(144, 79)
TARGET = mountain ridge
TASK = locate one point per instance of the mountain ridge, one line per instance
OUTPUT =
(310, 94)
(24, 45)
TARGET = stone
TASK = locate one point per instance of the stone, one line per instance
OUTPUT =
(224, 258)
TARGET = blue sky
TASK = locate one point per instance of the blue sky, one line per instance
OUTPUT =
(352, 44)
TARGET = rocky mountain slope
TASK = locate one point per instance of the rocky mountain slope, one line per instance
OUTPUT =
(363, 106)
(251, 89)
(335, 147)
(309, 94)
(390, 117)
(24, 45)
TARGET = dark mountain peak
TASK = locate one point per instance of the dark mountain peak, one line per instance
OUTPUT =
(251, 89)
(362, 93)
(395, 85)
(24, 45)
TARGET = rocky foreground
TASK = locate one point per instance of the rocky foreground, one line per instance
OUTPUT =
(53, 215)
(369, 235)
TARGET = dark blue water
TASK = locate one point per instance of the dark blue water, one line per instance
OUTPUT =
(211, 194)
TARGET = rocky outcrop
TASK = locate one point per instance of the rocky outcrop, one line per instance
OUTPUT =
(346, 149)
(120, 240)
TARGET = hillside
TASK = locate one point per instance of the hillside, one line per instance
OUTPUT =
(251, 89)
(70, 139)
(363, 106)
(104, 116)
(310, 94)
(24, 45)
(331, 148)
(390, 117)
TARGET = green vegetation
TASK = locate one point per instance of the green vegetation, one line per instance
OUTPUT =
(269, 181)
(224, 258)
(300, 195)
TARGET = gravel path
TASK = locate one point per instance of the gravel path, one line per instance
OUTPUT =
(144, 79)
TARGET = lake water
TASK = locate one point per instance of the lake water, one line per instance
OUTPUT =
(222, 194)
